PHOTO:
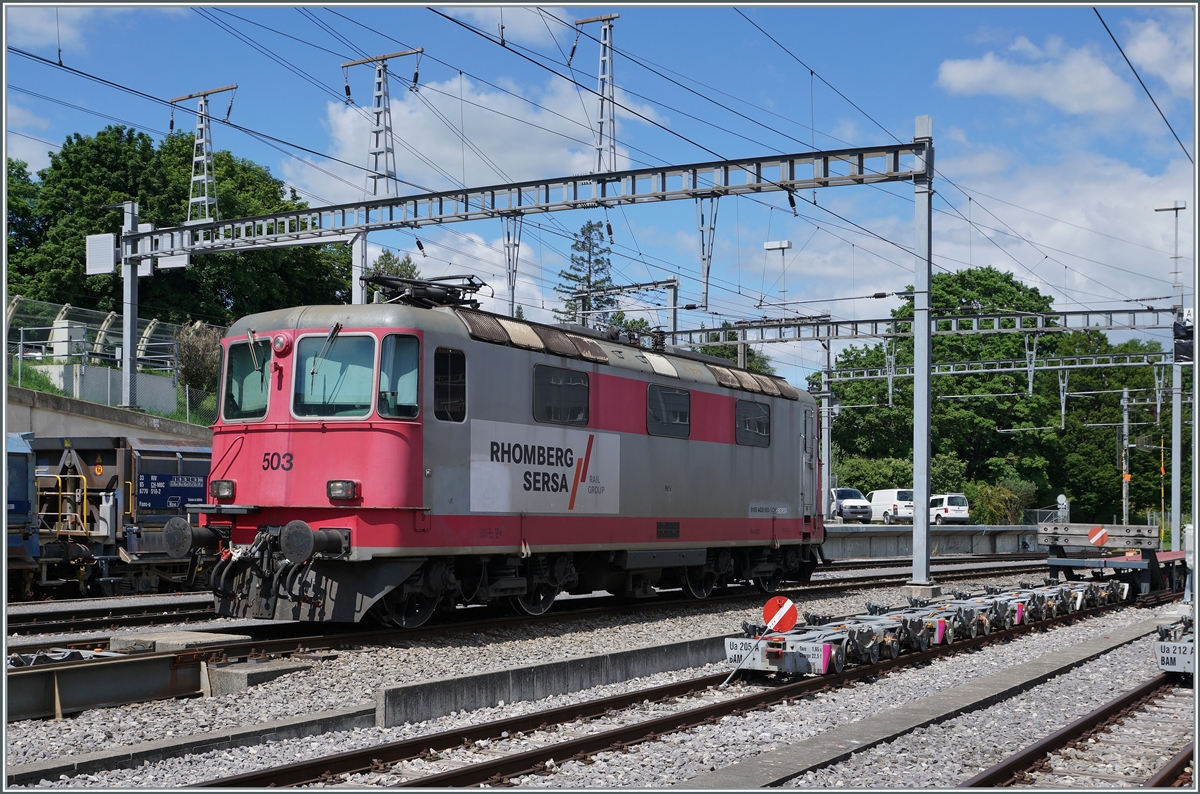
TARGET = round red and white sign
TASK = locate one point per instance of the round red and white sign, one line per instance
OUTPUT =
(780, 614)
(1097, 536)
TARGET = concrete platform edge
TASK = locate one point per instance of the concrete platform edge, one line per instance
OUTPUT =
(360, 716)
(431, 699)
(785, 763)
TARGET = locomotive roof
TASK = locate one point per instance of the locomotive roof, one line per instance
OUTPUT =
(564, 340)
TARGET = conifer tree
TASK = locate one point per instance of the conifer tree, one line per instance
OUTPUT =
(588, 271)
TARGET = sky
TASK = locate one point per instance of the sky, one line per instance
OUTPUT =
(1050, 156)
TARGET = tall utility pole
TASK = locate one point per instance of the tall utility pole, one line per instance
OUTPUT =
(202, 200)
(921, 584)
(606, 140)
(1176, 390)
(1125, 456)
(381, 158)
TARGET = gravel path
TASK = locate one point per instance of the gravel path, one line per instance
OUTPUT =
(354, 676)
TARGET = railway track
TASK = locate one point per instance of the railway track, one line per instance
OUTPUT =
(1142, 738)
(77, 619)
(499, 751)
(66, 685)
(473, 618)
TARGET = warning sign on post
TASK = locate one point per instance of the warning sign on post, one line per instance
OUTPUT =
(1097, 536)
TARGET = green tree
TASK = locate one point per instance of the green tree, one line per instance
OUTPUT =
(388, 264)
(588, 271)
(947, 473)
(519, 314)
(755, 361)
(873, 474)
(26, 226)
(120, 164)
(1080, 461)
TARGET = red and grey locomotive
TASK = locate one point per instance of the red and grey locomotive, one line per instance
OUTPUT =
(388, 458)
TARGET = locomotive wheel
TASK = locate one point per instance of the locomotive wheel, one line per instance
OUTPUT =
(698, 582)
(769, 584)
(414, 611)
(537, 601)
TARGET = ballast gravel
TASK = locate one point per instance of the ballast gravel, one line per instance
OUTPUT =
(678, 757)
(354, 676)
(682, 756)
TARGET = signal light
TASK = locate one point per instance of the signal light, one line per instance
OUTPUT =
(221, 489)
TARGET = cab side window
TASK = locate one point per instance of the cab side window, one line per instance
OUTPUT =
(560, 395)
(753, 427)
(668, 411)
(449, 385)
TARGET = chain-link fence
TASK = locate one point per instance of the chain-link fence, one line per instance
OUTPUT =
(77, 353)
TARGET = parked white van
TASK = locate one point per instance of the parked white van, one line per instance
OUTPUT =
(891, 505)
(949, 508)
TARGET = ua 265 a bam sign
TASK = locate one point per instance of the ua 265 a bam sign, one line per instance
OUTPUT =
(543, 469)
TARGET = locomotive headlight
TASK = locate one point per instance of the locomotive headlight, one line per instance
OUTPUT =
(221, 489)
(341, 489)
(280, 344)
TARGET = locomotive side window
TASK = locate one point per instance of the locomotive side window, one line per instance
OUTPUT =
(753, 424)
(398, 377)
(334, 375)
(668, 411)
(560, 395)
(449, 385)
(247, 384)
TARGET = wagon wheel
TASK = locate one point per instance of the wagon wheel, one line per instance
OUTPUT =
(973, 629)
(535, 601)
(414, 611)
(922, 640)
(771, 582)
(892, 648)
(950, 636)
(839, 658)
(698, 581)
(872, 654)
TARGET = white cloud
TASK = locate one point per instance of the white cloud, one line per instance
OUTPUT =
(522, 25)
(1025, 47)
(47, 26)
(1165, 52)
(1073, 80)
(523, 142)
(33, 152)
(17, 117)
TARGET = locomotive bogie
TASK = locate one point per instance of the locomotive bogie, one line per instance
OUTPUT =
(386, 435)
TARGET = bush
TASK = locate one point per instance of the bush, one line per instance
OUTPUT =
(200, 357)
(32, 378)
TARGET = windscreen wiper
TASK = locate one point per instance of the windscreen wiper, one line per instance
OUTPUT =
(254, 356)
(325, 348)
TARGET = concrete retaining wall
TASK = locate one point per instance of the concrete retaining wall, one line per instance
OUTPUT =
(49, 415)
(417, 702)
(877, 540)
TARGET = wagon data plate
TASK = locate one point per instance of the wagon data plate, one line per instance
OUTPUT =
(1176, 657)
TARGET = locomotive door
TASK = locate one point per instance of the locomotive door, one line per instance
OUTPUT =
(808, 465)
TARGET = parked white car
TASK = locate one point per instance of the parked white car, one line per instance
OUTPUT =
(949, 508)
(849, 505)
(891, 505)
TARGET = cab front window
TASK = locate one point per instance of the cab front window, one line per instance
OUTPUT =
(335, 375)
(247, 385)
(398, 377)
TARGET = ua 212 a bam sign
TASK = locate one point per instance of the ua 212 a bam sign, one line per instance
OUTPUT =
(543, 469)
